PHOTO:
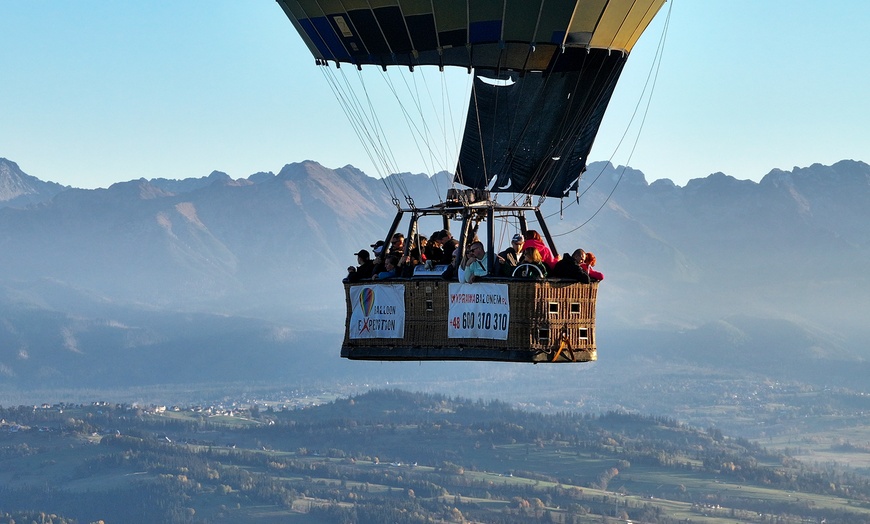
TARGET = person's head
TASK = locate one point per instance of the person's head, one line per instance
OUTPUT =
(362, 256)
(423, 241)
(391, 262)
(476, 250)
(531, 234)
(450, 245)
(579, 256)
(517, 242)
(590, 259)
(532, 255)
(398, 241)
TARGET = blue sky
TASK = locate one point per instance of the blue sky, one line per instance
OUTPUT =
(96, 92)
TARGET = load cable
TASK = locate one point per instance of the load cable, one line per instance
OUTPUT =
(652, 78)
(357, 124)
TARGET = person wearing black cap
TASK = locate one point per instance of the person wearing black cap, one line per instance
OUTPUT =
(378, 262)
(507, 260)
(364, 270)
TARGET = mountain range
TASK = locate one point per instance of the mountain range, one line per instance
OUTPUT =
(178, 281)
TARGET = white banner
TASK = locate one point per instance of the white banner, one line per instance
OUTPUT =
(478, 311)
(378, 311)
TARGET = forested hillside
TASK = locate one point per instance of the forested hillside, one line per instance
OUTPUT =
(393, 456)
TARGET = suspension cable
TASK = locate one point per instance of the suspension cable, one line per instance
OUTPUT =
(652, 76)
(357, 123)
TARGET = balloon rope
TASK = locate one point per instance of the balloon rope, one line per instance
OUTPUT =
(652, 76)
(417, 124)
(354, 117)
(382, 143)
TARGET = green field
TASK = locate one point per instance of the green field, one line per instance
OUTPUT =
(391, 456)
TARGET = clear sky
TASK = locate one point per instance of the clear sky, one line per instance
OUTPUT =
(95, 92)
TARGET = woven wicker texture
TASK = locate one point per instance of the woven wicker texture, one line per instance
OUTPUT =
(543, 314)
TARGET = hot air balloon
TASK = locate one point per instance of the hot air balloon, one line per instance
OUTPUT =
(543, 75)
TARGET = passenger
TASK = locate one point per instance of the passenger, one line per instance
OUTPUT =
(563, 267)
(365, 269)
(389, 269)
(587, 264)
(416, 251)
(473, 263)
(432, 251)
(397, 245)
(531, 259)
(449, 246)
(378, 250)
(408, 262)
(454, 266)
(507, 259)
(533, 239)
(569, 267)
(424, 241)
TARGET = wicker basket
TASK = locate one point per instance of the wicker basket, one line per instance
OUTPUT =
(552, 320)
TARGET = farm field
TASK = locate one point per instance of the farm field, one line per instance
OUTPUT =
(394, 456)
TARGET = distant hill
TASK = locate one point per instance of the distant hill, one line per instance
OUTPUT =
(389, 456)
(719, 271)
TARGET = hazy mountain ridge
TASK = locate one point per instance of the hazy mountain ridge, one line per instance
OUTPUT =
(829, 200)
(787, 234)
(779, 264)
(100, 344)
(18, 189)
(192, 184)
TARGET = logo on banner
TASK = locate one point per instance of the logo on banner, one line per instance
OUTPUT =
(378, 312)
(367, 300)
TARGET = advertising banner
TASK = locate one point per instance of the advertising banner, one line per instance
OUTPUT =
(478, 311)
(378, 311)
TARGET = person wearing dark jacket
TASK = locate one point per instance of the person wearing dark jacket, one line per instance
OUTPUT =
(506, 261)
(433, 251)
(569, 267)
(448, 246)
(364, 270)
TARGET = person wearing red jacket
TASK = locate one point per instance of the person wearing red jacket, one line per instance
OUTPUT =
(533, 239)
(586, 265)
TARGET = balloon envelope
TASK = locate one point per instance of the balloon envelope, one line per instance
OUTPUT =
(544, 72)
